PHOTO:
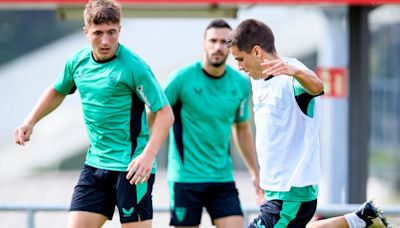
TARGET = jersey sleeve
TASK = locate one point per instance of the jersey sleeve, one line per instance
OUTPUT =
(172, 88)
(243, 112)
(149, 90)
(65, 83)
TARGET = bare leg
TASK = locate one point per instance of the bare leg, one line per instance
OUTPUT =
(235, 221)
(141, 224)
(338, 222)
(186, 227)
(84, 219)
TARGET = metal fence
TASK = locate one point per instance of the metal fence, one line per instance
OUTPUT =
(323, 211)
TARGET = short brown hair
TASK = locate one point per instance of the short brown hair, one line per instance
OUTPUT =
(252, 32)
(102, 11)
(218, 23)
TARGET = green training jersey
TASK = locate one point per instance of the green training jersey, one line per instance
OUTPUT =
(205, 108)
(113, 95)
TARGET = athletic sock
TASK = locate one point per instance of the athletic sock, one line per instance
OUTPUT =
(354, 221)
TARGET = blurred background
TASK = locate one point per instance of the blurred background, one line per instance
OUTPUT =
(354, 46)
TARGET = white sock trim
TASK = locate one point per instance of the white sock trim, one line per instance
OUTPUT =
(354, 221)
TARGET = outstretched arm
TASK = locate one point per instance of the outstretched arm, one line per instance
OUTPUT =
(243, 138)
(49, 101)
(140, 168)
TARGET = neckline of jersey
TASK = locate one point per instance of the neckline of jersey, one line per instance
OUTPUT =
(212, 76)
(107, 60)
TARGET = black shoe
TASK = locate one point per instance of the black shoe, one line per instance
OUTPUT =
(372, 215)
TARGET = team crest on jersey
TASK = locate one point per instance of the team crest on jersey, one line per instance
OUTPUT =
(113, 79)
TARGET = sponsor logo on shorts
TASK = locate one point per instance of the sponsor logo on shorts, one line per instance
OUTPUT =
(127, 213)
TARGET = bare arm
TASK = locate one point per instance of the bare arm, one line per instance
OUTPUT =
(150, 118)
(140, 168)
(243, 138)
(307, 78)
(49, 101)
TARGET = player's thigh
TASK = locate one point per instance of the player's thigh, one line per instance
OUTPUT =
(94, 192)
(278, 213)
(304, 213)
(186, 226)
(141, 224)
(223, 201)
(269, 216)
(187, 202)
(234, 221)
(84, 219)
(134, 202)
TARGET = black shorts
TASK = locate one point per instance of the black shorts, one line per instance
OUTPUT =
(188, 199)
(100, 190)
(278, 213)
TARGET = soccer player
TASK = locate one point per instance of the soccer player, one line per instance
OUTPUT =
(208, 98)
(287, 117)
(115, 85)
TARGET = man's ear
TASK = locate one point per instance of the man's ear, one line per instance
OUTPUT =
(84, 29)
(257, 50)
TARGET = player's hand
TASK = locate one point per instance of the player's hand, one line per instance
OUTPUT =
(259, 192)
(260, 197)
(277, 67)
(139, 169)
(22, 134)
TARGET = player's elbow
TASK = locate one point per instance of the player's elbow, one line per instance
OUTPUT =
(168, 115)
(317, 88)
